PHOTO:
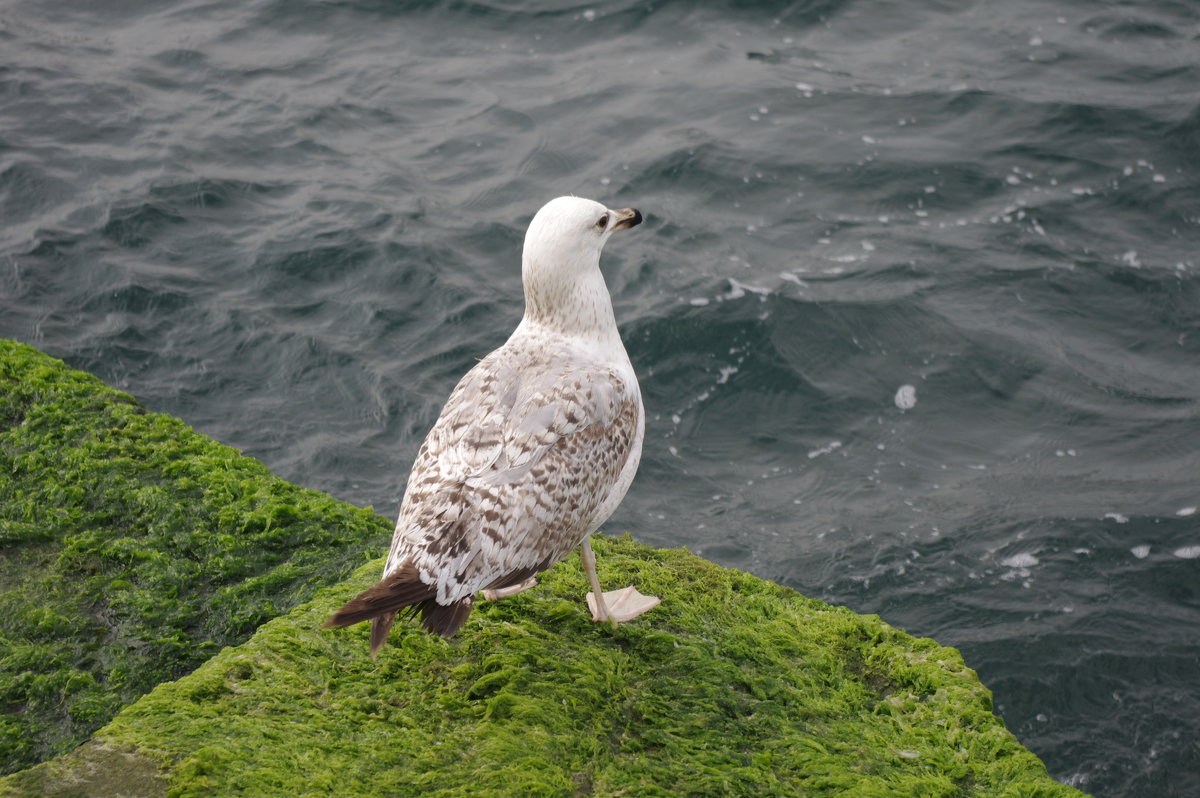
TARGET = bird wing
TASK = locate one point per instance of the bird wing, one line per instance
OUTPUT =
(509, 479)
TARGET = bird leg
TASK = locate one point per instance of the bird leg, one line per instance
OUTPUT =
(596, 597)
(615, 605)
(511, 590)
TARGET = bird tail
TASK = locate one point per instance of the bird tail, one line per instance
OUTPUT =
(401, 591)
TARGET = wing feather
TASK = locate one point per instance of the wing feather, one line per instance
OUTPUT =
(511, 476)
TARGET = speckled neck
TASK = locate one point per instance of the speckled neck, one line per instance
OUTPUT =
(574, 303)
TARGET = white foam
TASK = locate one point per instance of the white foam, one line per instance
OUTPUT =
(833, 446)
(1023, 560)
(906, 397)
(738, 289)
(1120, 519)
(1141, 552)
(1184, 512)
(1187, 552)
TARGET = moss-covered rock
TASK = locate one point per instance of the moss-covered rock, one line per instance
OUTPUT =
(734, 686)
(132, 549)
(138, 547)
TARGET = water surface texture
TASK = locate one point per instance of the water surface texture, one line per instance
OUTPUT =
(916, 307)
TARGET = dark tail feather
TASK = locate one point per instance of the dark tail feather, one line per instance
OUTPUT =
(445, 619)
(380, 626)
(399, 591)
(401, 588)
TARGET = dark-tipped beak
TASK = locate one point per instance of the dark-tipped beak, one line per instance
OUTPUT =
(626, 218)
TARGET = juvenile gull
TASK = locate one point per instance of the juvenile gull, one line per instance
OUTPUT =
(535, 447)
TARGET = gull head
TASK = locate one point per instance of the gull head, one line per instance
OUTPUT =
(560, 265)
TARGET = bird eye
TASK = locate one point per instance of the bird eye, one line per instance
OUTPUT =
(603, 223)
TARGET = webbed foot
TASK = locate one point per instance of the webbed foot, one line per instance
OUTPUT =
(622, 605)
(511, 590)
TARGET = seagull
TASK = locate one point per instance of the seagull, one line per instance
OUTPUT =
(534, 450)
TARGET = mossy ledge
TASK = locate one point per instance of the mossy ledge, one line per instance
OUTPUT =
(733, 686)
(132, 549)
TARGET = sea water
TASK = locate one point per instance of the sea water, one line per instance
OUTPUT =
(915, 307)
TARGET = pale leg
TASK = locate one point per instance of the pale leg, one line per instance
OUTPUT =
(588, 558)
(615, 605)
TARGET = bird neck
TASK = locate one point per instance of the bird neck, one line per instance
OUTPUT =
(570, 302)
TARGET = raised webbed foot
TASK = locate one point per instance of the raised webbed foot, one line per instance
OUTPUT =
(511, 590)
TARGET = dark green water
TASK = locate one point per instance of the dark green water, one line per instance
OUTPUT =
(295, 225)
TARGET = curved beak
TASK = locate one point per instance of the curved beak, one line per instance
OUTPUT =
(626, 218)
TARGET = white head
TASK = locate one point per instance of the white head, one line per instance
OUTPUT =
(560, 265)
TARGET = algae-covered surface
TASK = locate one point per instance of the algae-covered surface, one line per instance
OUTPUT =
(733, 686)
(132, 549)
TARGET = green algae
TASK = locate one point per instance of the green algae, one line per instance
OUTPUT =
(132, 549)
(733, 686)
